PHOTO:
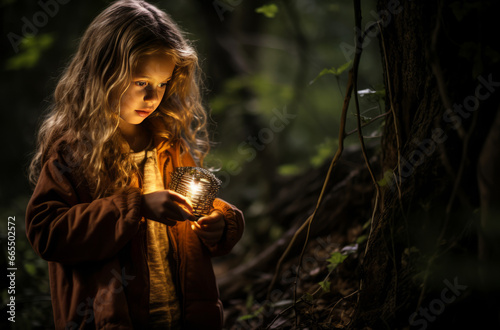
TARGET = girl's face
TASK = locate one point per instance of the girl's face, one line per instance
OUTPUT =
(147, 87)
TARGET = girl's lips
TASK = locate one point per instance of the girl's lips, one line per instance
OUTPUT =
(143, 113)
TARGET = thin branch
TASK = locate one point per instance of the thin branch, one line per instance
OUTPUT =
(281, 313)
(342, 299)
(393, 111)
(398, 146)
(356, 102)
(352, 85)
(358, 122)
(369, 122)
(308, 222)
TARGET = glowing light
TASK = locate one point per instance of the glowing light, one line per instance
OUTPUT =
(194, 187)
(197, 184)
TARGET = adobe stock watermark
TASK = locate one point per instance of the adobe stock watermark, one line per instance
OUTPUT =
(371, 29)
(40, 19)
(455, 116)
(256, 143)
(436, 307)
(223, 6)
(471, 103)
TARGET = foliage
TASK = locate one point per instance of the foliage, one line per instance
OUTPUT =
(325, 285)
(337, 258)
(335, 71)
(324, 151)
(269, 10)
(32, 48)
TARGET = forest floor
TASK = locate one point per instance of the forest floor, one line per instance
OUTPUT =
(323, 293)
(325, 298)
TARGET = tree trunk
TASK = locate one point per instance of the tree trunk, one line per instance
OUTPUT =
(442, 79)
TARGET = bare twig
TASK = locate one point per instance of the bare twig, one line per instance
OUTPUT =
(398, 146)
(393, 111)
(357, 10)
(369, 122)
(352, 85)
(308, 222)
(283, 312)
(342, 299)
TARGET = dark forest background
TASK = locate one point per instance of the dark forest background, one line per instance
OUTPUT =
(287, 88)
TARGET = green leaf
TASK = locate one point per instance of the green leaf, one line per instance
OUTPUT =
(322, 73)
(269, 10)
(335, 259)
(307, 297)
(259, 311)
(325, 285)
(324, 151)
(364, 119)
(30, 268)
(335, 71)
(343, 67)
(289, 169)
(246, 317)
(250, 300)
(361, 239)
(387, 179)
(32, 48)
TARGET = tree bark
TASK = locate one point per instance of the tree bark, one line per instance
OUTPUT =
(441, 75)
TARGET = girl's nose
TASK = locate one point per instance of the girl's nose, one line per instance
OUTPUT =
(151, 94)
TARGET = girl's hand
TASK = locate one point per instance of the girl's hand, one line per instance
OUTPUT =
(166, 206)
(210, 228)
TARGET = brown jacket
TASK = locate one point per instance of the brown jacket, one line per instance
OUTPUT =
(97, 250)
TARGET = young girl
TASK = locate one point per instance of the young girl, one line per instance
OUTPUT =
(124, 251)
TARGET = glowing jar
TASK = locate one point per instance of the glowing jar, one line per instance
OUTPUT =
(199, 185)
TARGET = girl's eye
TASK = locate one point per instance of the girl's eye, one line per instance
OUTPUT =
(141, 83)
(163, 85)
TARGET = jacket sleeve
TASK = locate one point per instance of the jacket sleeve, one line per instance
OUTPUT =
(235, 223)
(64, 226)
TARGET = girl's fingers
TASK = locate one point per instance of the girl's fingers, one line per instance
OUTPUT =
(179, 199)
(178, 212)
(210, 238)
(214, 218)
(210, 228)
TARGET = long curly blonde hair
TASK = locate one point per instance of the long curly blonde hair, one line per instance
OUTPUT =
(85, 111)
